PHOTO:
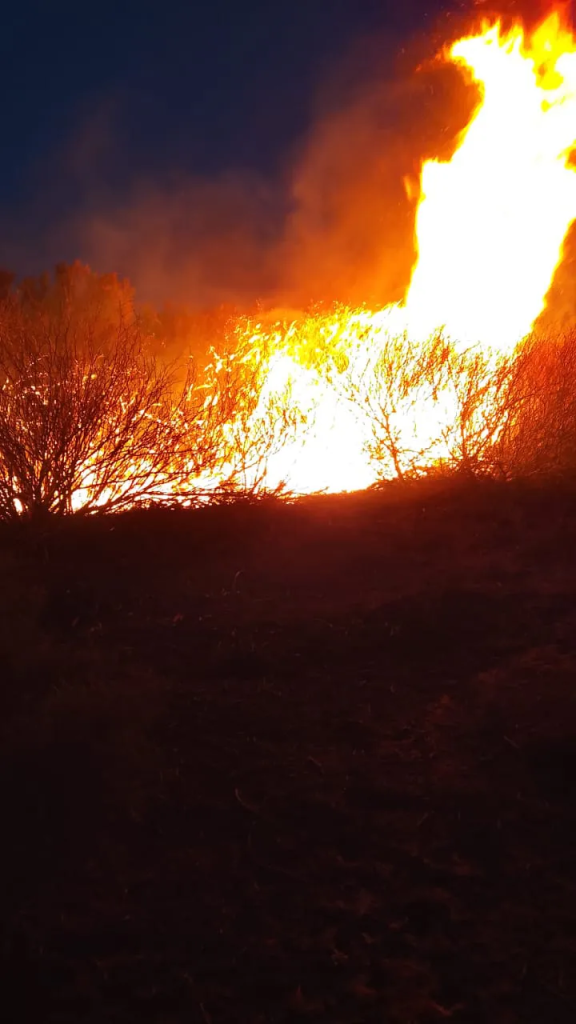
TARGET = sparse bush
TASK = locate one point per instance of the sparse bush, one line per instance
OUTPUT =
(422, 403)
(251, 421)
(479, 385)
(539, 434)
(433, 408)
(89, 420)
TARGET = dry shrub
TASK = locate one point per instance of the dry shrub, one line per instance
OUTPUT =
(88, 419)
(428, 407)
(539, 434)
(91, 421)
(405, 380)
(508, 416)
(480, 385)
(251, 420)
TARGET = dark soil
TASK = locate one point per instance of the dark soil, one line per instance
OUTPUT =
(266, 763)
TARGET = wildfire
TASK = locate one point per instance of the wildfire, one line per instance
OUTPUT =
(491, 223)
(338, 400)
(490, 228)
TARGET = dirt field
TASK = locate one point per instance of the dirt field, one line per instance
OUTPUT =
(270, 763)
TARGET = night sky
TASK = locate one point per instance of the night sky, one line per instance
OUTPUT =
(98, 98)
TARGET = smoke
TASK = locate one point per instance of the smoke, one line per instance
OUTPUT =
(199, 243)
(350, 236)
(336, 223)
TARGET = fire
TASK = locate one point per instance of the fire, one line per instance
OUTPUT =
(331, 427)
(490, 228)
(491, 223)
(337, 400)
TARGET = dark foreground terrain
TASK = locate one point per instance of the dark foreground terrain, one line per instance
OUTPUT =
(264, 764)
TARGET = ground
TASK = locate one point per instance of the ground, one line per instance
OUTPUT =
(268, 763)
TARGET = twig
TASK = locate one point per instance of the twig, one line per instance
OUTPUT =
(243, 803)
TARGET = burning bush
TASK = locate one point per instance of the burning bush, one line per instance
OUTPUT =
(538, 437)
(423, 406)
(398, 389)
(91, 420)
(480, 384)
(337, 398)
(252, 418)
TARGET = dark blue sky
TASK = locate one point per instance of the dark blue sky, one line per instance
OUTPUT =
(97, 98)
(135, 88)
(198, 83)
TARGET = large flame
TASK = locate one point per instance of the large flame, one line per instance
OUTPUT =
(490, 228)
(491, 222)
(426, 373)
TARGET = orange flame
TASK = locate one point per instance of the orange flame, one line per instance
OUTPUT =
(491, 223)
(490, 228)
(427, 372)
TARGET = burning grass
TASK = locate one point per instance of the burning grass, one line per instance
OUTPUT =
(90, 421)
(451, 380)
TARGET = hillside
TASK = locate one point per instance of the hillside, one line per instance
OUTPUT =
(263, 763)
